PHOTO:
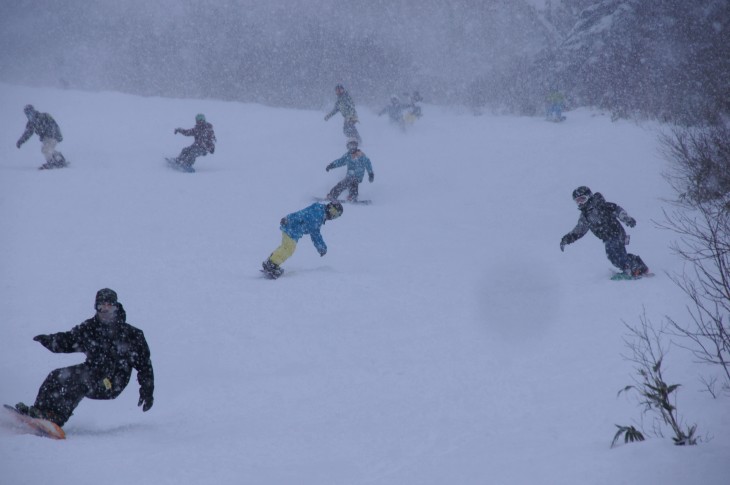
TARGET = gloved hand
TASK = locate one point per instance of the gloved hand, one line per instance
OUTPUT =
(371, 177)
(18, 144)
(327, 116)
(328, 168)
(283, 221)
(563, 242)
(44, 340)
(177, 130)
(631, 222)
(322, 253)
(145, 400)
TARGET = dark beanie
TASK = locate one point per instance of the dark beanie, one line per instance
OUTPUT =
(105, 295)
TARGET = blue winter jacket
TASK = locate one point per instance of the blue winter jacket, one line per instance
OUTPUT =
(356, 165)
(307, 221)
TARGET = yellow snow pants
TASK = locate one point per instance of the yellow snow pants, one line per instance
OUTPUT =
(283, 252)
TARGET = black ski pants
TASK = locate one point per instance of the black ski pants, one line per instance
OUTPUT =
(349, 183)
(189, 154)
(64, 389)
(616, 252)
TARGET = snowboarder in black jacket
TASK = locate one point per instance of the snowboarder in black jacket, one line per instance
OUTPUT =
(43, 125)
(203, 143)
(602, 219)
(112, 347)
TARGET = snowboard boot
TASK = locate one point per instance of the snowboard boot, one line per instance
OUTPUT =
(36, 413)
(59, 161)
(639, 267)
(271, 269)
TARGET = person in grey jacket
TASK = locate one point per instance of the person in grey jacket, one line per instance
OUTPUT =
(346, 107)
(43, 125)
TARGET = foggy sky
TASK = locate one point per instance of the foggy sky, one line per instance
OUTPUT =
(280, 51)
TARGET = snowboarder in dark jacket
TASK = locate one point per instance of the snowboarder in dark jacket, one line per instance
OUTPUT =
(346, 106)
(203, 144)
(357, 164)
(43, 125)
(602, 219)
(295, 225)
(112, 347)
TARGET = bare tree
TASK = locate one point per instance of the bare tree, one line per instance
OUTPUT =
(701, 218)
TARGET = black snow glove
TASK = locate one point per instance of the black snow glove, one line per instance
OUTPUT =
(328, 168)
(563, 242)
(177, 130)
(371, 177)
(322, 252)
(283, 221)
(18, 144)
(44, 340)
(630, 221)
(145, 400)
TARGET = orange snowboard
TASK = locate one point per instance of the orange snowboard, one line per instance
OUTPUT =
(37, 426)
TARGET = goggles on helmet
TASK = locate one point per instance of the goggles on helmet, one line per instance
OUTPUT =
(334, 212)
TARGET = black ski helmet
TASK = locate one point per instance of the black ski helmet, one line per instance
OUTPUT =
(334, 210)
(29, 110)
(582, 190)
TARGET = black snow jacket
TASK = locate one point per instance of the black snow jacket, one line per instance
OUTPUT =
(112, 351)
(203, 133)
(42, 125)
(601, 218)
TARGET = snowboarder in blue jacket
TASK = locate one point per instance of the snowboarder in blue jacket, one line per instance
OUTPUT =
(357, 163)
(295, 225)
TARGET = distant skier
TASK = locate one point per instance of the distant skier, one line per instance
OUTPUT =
(602, 218)
(112, 347)
(346, 107)
(357, 163)
(203, 144)
(556, 104)
(306, 221)
(395, 112)
(414, 110)
(43, 125)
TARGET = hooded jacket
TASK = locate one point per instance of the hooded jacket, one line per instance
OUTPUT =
(344, 105)
(357, 164)
(204, 135)
(601, 218)
(112, 351)
(43, 125)
(307, 221)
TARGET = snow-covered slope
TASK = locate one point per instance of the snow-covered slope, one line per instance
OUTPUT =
(443, 339)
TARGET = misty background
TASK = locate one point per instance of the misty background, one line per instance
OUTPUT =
(665, 59)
